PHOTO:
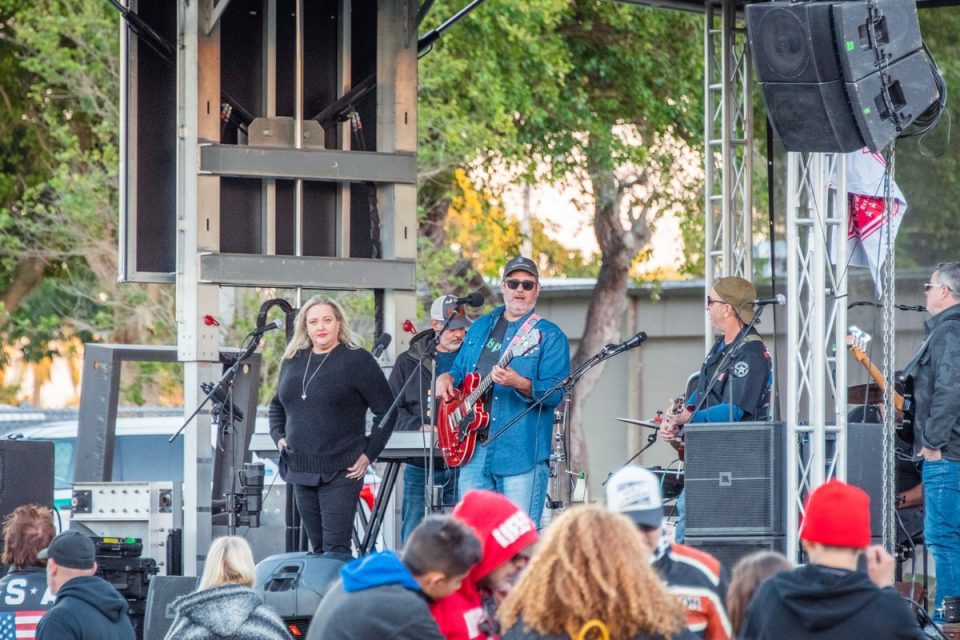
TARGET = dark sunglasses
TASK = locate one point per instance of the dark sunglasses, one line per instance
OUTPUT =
(711, 301)
(514, 284)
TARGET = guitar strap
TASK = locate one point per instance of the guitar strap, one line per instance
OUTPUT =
(524, 329)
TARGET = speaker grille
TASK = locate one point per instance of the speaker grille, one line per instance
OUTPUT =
(729, 550)
(734, 479)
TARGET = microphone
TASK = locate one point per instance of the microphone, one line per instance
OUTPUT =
(259, 331)
(382, 343)
(635, 341)
(475, 299)
(777, 299)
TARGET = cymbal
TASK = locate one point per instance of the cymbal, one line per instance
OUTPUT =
(868, 393)
(642, 423)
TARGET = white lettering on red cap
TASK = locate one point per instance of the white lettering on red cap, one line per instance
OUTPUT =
(512, 528)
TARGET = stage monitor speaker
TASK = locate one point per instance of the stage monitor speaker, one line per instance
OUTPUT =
(734, 479)
(26, 474)
(817, 63)
(293, 584)
(729, 550)
(163, 591)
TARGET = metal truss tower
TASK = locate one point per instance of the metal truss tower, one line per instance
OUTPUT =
(816, 240)
(728, 153)
(816, 329)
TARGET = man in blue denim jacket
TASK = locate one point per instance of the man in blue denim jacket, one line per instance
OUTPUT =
(515, 461)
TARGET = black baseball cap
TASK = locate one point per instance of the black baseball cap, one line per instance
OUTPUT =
(71, 549)
(522, 264)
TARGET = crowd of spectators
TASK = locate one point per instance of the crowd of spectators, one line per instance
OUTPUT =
(483, 573)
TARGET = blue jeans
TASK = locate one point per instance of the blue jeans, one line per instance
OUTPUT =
(414, 498)
(528, 490)
(681, 516)
(941, 522)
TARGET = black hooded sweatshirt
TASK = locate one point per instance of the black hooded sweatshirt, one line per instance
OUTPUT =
(821, 602)
(87, 608)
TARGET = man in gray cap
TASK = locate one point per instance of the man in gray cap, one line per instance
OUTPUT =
(514, 461)
(735, 378)
(413, 409)
(87, 606)
(694, 576)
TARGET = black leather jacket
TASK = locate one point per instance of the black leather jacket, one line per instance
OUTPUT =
(936, 386)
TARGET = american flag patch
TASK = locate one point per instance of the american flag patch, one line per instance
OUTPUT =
(16, 625)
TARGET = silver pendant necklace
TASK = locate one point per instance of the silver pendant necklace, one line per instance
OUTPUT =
(306, 381)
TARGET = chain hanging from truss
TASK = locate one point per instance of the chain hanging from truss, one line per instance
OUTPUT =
(888, 289)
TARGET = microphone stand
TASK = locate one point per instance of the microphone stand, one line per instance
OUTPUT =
(566, 384)
(226, 380)
(429, 351)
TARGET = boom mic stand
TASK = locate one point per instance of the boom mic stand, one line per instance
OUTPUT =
(225, 381)
(566, 385)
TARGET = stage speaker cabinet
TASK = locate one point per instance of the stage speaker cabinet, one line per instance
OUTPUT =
(293, 584)
(730, 549)
(26, 474)
(734, 479)
(163, 591)
(819, 75)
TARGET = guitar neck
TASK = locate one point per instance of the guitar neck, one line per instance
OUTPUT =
(880, 380)
(487, 380)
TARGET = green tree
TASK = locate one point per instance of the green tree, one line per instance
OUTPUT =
(607, 92)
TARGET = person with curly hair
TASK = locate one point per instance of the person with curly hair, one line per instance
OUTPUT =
(592, 564)
(26, 531)
(748, 574)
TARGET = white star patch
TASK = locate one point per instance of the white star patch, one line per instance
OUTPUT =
(741, 369)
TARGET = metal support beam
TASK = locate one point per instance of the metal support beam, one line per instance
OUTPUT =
(728, 132)
(244, 270)
(329, 165)
(816, 329)
(212, 10)
(198, 230)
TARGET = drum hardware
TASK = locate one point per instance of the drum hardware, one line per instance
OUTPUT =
(649, 424)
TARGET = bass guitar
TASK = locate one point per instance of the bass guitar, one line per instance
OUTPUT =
(459, 419)
(857, 342)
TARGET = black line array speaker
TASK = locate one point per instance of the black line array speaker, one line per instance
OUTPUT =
(734, 479)
(163, 591)
(818, 68)
(729, 549)
(26, 474)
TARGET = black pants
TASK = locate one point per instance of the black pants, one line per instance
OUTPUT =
(328, 510)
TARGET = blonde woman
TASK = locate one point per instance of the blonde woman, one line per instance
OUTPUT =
(225, 606)
(591, 565)
(318, 422)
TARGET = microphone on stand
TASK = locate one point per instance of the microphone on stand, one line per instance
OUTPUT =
(259, 331)
(382, 343)
(626, 345)
(777, 299)
(475, 299)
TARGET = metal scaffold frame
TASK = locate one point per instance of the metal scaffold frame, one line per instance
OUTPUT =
(728, 130)
(816, 330)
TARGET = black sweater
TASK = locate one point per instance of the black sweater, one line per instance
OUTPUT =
(327, 431)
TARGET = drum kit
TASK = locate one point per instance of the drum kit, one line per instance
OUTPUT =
(671, 479)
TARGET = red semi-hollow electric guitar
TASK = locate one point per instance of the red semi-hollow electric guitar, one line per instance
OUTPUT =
(459, 419)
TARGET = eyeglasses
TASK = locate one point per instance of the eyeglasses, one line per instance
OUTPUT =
(514, 284)
(930, 285)
(711, 301)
